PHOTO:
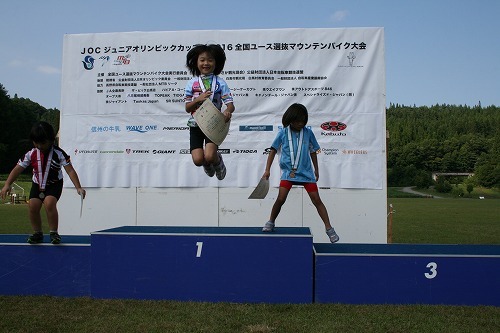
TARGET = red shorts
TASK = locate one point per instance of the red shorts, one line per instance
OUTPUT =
(310, 187)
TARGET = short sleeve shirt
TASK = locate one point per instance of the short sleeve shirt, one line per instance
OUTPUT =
(304, 172)
(59, 160)
(222, 93)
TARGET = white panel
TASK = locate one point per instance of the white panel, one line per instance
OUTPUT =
(236, 210)
(103, 208)
(177, 206)
(358, 216)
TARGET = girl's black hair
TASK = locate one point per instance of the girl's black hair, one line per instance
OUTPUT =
(41, 132)
(213, 49)
(295, 112)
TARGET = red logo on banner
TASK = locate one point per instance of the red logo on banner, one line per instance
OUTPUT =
(335, 126)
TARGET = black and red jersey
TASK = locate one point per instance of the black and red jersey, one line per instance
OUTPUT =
(59, 160)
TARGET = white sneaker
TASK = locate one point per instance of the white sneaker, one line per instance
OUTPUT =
(334, 238)
(220, 169)
(268, 227)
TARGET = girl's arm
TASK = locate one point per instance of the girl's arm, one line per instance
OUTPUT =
(269, 162)
(228, 111)
(314, 159)
(74, 178)
(11, 179)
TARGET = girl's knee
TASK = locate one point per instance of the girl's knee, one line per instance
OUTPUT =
(280, 200)
(211, 156)
(198, 160)
(315, 199)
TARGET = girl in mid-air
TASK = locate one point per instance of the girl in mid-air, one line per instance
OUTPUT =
(206, 62)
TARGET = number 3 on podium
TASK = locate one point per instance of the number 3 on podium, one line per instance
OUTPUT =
(432, 270)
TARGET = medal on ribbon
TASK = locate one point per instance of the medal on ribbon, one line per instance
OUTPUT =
(43, 175)
(294, 159)
(212, 87)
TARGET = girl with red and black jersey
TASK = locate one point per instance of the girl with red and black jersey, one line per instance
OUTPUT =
(47, 161)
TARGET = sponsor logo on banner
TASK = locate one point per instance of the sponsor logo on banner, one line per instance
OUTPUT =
(175, 128)
(244, 151)
(330, 151)
(255, 128)
(267, 151)
(137, 151)
(333, 128)
(118, 151)
(102, 129)
(184, 151)
(86, 151)
(141, 128)
(161, 151)
(224, 151)
(354, 152)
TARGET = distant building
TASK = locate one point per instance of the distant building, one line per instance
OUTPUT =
(436, 175)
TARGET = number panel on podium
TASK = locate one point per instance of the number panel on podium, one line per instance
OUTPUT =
(407, 274)
(203, 264)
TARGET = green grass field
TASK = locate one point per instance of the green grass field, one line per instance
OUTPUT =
(51, 314)
(415, 220)
(446, 221)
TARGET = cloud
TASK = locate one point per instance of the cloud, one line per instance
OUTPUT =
(339, 15)
(48, 70)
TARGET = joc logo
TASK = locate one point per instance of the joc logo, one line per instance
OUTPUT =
(88, 62)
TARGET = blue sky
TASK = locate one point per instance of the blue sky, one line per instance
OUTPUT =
(437, 51)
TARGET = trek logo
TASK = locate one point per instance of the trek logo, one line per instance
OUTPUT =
(136, 151)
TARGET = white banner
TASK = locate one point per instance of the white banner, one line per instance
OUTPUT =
(124, 124)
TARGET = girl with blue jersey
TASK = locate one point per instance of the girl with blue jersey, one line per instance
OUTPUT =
(299, 148)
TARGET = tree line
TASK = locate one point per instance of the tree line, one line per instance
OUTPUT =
(422, 140)
(17, 115)
(443, 138)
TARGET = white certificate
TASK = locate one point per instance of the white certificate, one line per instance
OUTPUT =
(211, 121)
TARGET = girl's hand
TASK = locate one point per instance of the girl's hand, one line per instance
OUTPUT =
(81, 191)
(228, 115)
(5, 191)
(266, 174)
(203, 96)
